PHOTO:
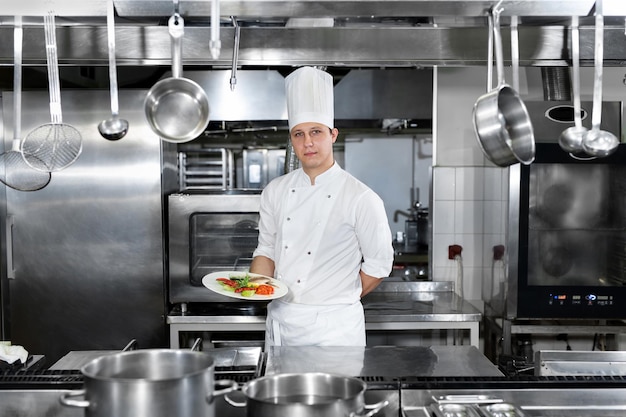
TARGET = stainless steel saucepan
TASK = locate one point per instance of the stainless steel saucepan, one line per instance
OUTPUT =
(177, 108)
(312, 394)
(501, 121)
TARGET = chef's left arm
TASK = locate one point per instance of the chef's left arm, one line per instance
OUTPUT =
(368, 283)
(374, 236)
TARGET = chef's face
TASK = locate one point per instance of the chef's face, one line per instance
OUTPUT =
(313, 145)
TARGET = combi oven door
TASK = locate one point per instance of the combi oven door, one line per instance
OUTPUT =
(209, 232)
(567, 246)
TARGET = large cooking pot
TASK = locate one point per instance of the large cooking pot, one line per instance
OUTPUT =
(501, 120)
(305, 395)
(149, 382)
(177, 108)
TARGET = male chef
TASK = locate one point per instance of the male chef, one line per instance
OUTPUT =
(321, 231)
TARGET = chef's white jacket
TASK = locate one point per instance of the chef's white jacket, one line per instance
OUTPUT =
(319, 237)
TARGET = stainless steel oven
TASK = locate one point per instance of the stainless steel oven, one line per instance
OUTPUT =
(209, 231)
(567, 233)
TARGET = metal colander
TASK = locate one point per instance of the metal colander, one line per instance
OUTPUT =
(56, 145)
(18, 174)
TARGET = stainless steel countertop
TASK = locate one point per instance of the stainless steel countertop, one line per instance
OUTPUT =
(418, 306)
(381, 361)
(421, 301)
(222, 357)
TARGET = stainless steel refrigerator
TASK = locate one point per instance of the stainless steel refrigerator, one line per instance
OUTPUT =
(83, 258)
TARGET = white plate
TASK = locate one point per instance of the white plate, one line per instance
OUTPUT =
(210, 281)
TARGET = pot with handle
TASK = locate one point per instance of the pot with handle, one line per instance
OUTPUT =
(501, 121)
(149, 382)
(177, 108)
(314, 394)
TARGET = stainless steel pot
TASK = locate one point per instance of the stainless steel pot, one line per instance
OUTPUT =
(149, 382)
(305, 395)
(501, 120)
(177, 108)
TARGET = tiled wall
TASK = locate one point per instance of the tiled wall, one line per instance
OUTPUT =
(469, 210)
(469, 194)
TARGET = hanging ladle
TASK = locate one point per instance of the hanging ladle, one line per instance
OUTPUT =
(113, 128)
(571, 139)
(597, 142)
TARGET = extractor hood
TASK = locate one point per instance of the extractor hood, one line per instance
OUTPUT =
(363, 97)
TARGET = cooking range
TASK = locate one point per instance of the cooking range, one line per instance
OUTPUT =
(432, 381)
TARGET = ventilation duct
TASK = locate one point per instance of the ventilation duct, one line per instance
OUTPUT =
(557, 84)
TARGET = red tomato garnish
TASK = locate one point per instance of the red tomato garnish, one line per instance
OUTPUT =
(227, 281)
(264, 289)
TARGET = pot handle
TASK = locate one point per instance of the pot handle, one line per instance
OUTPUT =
(375, 408)
(66, 400)
(233, 402)
(230, 387)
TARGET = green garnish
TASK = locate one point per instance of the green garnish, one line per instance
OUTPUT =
(243, 281)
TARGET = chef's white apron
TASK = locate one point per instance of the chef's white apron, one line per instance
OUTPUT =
(290, 324)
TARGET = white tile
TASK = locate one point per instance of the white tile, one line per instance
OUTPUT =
(470, 184)
(441, 242)
(472, 283)
(443, 216)
(468, 217)
(493, 219)
(493, 184)
(443, 183)
(445, 273)
(486, 286)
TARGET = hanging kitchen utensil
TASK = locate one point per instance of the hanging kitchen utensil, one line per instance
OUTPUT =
(56, 145)
(515, 53)
(113, 128)
(233, 73)
(490, 53)
(501, 121)
(17, 173)
(597, 142)
(215, 45)
(571, 139)
(177, 108)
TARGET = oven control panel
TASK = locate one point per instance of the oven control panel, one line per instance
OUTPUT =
(572, 302)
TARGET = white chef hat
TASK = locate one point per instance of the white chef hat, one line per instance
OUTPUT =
(310, 97)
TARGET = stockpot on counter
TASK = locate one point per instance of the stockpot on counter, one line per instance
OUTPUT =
(314, 394)
(149, 382)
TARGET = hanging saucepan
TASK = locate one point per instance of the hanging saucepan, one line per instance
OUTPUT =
(177, 108)
(149, 382)
(501, 121)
